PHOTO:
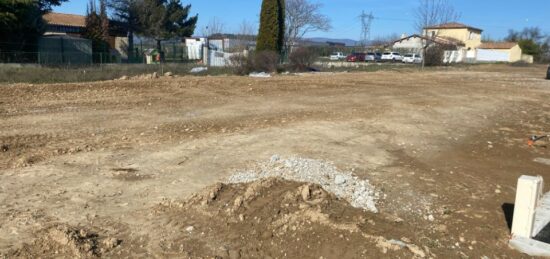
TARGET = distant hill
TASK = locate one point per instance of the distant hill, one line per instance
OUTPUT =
(348, 42)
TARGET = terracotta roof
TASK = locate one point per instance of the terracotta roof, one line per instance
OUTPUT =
(497, 45)
(437, 39)
(65, 19)
(452, 25)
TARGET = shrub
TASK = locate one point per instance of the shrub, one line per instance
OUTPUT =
(263, 61)
(434, 56)
(302, 59)
(241, 64)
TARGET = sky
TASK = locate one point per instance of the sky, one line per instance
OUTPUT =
(495, 17)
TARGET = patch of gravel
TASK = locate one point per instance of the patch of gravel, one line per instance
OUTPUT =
(359, 193)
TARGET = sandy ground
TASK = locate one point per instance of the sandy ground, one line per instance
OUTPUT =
(88, 169)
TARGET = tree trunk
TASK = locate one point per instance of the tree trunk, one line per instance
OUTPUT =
(130, 45)
(159, 49)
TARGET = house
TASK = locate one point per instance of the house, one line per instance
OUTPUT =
(415, 43)
(470, 36)
(474, 49)
(74, 25)
(500, 52)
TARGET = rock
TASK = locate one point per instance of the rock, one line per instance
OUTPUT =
(339, 179)
(497, 190)
(111, 242)
(189, 229)
(261, 74)
(431, 217)
(274, 158)
(234, 254)
(168, 74)
(416, 250)
(398, 243)
(306, 193)
(198, 69)
(123, 78)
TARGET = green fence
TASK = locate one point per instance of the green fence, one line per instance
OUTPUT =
(67, 51)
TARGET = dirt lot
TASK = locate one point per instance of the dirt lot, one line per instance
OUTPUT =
(107, 168)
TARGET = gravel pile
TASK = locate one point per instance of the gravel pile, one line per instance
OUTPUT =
(359, 193)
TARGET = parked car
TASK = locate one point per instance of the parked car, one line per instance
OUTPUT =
(548, 73)
(337, 56)
(412, 59)
(373, 57)
(391, 56)
(356, 57)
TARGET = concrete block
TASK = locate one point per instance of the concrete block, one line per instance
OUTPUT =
(528, 192)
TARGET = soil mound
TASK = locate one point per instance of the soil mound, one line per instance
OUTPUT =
(358, 192)
(63, 241)
(274, 218)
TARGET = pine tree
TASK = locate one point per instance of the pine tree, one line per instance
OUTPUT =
(272, 26)
(165, 19)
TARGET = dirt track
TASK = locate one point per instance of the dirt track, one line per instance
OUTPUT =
(444, 147)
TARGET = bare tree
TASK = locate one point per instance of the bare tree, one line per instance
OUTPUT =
(247, 28)
(430, 13)
(245, 35)
(302, 17)
(434, 12)
(214, 26)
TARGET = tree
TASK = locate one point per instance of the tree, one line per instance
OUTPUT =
(532, 42)
(21, 23)
(272, 26)
(430, 13)
(215, 27)
(126, 12)
(97, 29)
(245, 34)
(46, 5)
(303, 17)
(165, 19)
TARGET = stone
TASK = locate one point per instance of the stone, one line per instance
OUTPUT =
(306, 193)
(339, 179)
(189, 229)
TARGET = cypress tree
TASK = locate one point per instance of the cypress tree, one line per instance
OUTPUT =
(272, 26)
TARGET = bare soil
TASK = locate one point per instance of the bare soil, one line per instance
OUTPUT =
(131, 168)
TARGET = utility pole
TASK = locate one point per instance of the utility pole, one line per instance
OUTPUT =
(366, 21)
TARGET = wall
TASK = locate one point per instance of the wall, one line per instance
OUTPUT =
(412, 44)
(515, 54)
(527, 58)
(493, 55)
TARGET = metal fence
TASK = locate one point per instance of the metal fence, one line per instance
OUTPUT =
(70, 51)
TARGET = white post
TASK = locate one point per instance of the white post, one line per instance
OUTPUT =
(528, 192)
(206, 56)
